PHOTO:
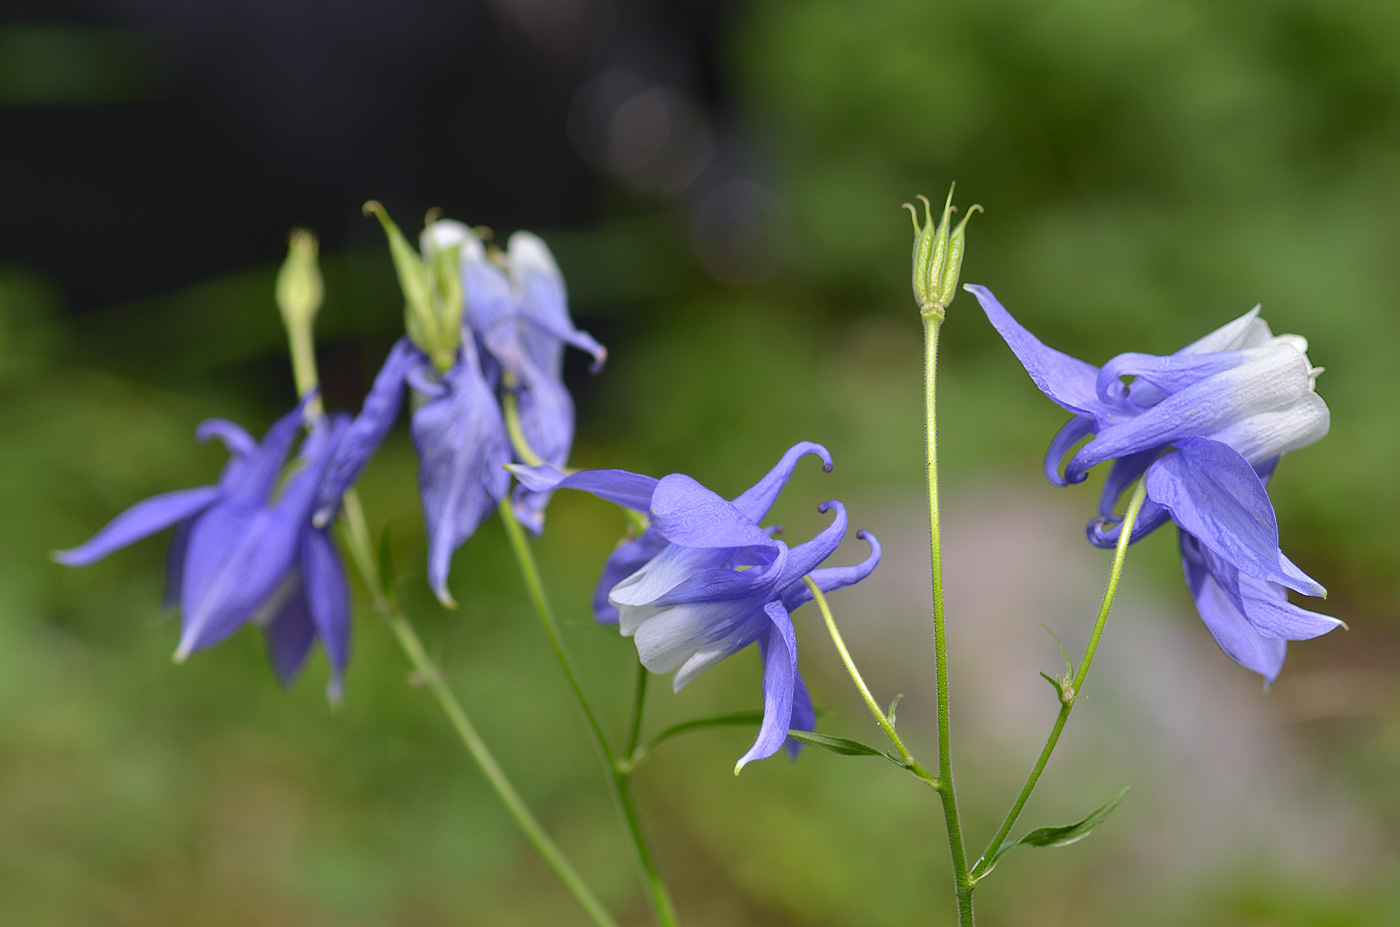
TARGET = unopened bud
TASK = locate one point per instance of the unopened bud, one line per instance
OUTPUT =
(432, 293)
(299, 285)
(938, 253)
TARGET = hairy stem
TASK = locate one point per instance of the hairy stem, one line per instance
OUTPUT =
(963, 883)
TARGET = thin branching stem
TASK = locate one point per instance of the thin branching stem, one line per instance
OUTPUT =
(1068, 688)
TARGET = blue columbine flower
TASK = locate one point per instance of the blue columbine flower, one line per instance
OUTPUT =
(1206, 426)
(460, 438)
(502, 329)
(243, 554)
(704, 580)
(518, 308)
(462, 452)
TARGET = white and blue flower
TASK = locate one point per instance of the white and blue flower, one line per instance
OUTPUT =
(704, 580)
(1206, 427)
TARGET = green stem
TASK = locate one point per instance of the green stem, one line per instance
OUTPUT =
(963, 883)
(614, 773)
(307, 380)
(880, 717)
(639, 701)
(1069, 688)
(304, 367)
(426, 670)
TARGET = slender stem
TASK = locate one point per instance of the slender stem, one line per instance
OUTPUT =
(511, 408)
(615, 773)
(303, 352)
(962, 879)
(426, 670)
(880, 717)
(307, 380)
(639, 702)
(1069, 688)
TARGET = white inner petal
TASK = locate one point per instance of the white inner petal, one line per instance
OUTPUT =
(664, 572)
(1231, 336)
(1265, 435)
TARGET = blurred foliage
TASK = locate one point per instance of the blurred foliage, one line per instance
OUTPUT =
(1150, 170)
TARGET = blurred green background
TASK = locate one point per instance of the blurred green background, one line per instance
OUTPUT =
(1149, 171)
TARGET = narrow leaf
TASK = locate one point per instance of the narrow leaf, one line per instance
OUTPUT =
(843, 746)
(1069, 665)
(1070, 833)
(1059, 686)
(695, 724)
(893, 705)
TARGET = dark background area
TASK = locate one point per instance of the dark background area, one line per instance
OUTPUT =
(721, 185)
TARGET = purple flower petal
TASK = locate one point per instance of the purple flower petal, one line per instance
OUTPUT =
(1214, 494)
(367, 432)
(759, 498)
(1276, 377)
(462, 449)
(830, 579)
(544, 304)
(240, 551)
(1067, 437)
(1170, 374)
(722, 584)
(251, 481)
(688, 514)
(1104, 531)
(238, 441)
(1238, 638)
(1067, 381)
(628, 558)
(621, 487)
(140, 521)
(328, 599)
(175, 565)
(804, 716)
(779, 680)
(805, 557)
(290, 635)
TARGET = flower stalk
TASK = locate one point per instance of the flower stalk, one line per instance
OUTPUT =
(963, 882)
(937, 260)
(1068, 688)
(617, 774)
(882, 719)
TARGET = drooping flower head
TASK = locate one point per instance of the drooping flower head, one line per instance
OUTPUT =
(478, 329)
(1206, 427)
(244, 553)
(515, 301)
(705, 581)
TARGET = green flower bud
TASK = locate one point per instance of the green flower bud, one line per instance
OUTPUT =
(299, 292)
(299, 286)
(432, 290)
(938, 254)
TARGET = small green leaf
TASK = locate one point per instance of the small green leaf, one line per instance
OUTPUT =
(1059, 686)
(695, 724)
(1063, 836)
(894, 704)
(840, 745)
(1069, 664)
(843, 746)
